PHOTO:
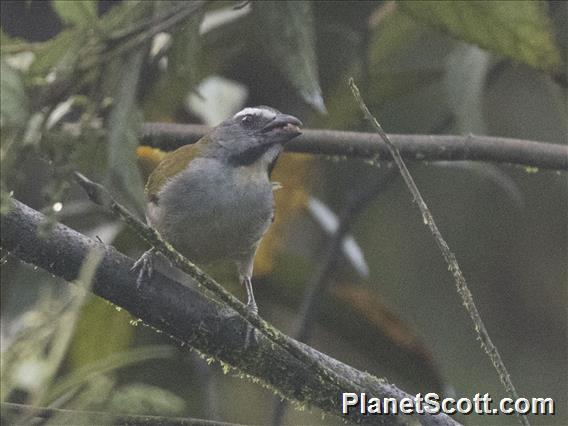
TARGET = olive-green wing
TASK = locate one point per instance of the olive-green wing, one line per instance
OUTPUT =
(172, 164)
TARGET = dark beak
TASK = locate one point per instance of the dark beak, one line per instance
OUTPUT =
(286, 124)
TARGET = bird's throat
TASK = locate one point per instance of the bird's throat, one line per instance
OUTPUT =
(256, 153)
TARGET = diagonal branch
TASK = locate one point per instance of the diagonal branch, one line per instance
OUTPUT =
(189, 317)
(370, 145)
(100, 195)
(448, 255)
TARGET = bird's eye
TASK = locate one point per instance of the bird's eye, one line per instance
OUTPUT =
(247, 120)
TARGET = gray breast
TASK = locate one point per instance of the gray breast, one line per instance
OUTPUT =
(209, 214)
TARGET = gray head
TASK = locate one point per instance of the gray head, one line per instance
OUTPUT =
(254, 133)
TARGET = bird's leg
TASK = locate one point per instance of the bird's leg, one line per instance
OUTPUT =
(252, 307)
(251, 303)
(145, 267)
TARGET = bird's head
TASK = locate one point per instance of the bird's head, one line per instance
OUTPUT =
(254, 133)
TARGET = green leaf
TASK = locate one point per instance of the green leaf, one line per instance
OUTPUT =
(140, 398)
(80, 13)
(404, 58)
(184, 58)
(184, 70)
(124, 177)
(466, 71)
(286, 29)
(101, 331)
(105, 365)
(60, 52)
(82, 404)
(13, 99)
(10, 44)
(520, 30)
(125, 17)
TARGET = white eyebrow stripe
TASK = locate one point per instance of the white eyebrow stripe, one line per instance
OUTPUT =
(255, 111)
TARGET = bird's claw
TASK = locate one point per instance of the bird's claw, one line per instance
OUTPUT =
(145, 267)
(252, 307)
(251, 303)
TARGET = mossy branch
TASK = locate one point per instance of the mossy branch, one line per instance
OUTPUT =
(191, 318)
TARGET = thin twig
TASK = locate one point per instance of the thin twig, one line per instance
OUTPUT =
(449, 256)
(421, 148)
(108, 418)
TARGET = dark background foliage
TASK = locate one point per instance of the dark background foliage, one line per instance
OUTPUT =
(96, 70)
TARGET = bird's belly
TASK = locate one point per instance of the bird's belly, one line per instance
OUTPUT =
(214, 218)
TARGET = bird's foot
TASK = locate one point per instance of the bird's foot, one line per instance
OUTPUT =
(251, 303)
(145, 268)
(252, 307)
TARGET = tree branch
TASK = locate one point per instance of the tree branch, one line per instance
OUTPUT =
(190, 317)
(101, 417)
(100, 195)
(448, 255)
(369, 145)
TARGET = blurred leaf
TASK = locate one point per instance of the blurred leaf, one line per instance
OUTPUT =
(329, 223)
(466, 70)
(147, 20)
(34, 355)
(396, 67)
(406, 67)
(86, 153)
(363, 300)
(123, 175)
(124, 14)
(184, 70)
(520, 30)
(68, 320)
(183, 61)
(392, 34)
(60, 52)
(216, 99)
(13, 100)
(110, 363)
(140, 398)
(498, 176)
(94, 396)
(376, 322)
(81, 13)
(287, 31)
(10, 44)
(101, 331)
(525, 104)
(215, 19)
(225, 43)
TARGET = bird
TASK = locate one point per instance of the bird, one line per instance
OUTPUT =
(213, 200)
